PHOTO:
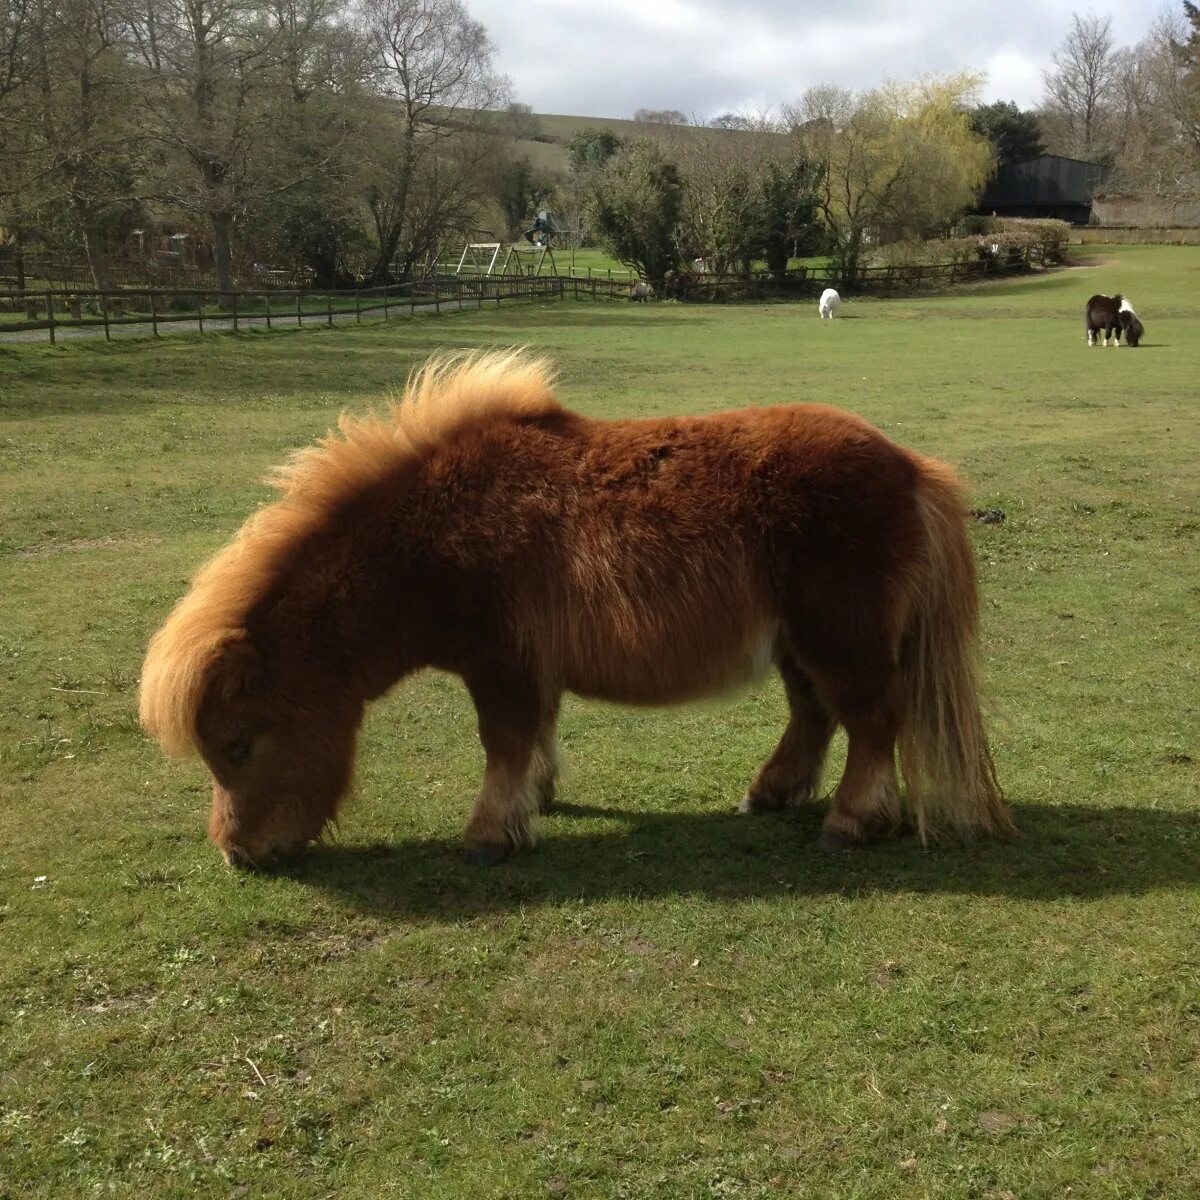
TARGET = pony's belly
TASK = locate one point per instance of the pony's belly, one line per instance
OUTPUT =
(668, 672)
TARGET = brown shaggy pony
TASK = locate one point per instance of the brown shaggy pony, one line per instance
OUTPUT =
(481, 529)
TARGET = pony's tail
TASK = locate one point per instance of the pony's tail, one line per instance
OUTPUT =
(944, 756)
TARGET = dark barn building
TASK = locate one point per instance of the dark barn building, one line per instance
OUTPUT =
(1046, 186)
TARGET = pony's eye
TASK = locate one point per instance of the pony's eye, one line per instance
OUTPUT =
(237, 752)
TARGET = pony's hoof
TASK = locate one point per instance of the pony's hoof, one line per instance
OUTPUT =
(489, 854)
(832, 841)
(765, 799)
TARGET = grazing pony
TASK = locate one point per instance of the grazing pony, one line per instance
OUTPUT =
(481, 529)
(640, 291)
(829, 303)
(1111, 316)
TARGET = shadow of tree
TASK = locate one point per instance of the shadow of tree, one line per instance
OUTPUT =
(1068, 851)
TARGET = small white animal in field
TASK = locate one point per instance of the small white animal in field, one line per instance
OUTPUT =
(829, 303)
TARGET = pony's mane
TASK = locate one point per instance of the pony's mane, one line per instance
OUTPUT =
(447, 395)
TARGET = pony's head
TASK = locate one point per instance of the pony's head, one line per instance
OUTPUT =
(278, 740)
(265, 666)
(1131, 327)
(280, 753)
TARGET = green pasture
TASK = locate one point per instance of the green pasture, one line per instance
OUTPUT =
(664, 999)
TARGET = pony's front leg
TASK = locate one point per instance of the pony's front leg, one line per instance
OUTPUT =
(511, 718)
(546, 757)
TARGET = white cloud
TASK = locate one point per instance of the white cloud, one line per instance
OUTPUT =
(610, 57)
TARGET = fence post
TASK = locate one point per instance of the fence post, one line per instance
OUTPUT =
(268, 299)
(153, 313)
(357, 306)
(235, 313)
(200, 309)
(104, 314)
(329, 309)
(387, 288)
(50, 314)
(437, 300)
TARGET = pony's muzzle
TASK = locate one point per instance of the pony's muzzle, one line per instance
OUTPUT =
(238, 859)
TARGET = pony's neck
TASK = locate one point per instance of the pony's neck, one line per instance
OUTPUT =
(340, 606)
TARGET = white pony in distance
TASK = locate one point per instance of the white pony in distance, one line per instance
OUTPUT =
(829, 303)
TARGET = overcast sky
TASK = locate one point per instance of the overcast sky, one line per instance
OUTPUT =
(606, 58)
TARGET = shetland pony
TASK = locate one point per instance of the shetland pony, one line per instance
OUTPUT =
(1110, 316)
(829, 303)
(481, 529)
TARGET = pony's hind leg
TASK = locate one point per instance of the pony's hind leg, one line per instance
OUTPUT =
(793, 772)
(866, 803)
(854, 669)
(512, 729)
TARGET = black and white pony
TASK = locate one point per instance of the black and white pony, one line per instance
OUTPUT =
(1110, 316)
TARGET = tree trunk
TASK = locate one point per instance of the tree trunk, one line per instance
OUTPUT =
(222, 258)
(397, 203)
(93, 242)
(381, 273)
(849, 258)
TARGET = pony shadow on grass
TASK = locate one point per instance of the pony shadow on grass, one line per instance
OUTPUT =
(1063, 852)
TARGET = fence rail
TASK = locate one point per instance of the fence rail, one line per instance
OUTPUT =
(149, 308)
(808, 281)
(170, 276)
(58, 309)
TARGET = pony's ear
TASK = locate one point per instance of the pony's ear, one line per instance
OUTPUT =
(237, 670)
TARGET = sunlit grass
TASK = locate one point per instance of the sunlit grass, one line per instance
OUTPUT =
(663, 1000)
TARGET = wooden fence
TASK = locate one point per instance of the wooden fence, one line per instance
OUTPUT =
(810, 281)
(151, 309)
(55, 310)
(62, 274)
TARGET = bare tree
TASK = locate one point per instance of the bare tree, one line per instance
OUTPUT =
(1078, 90)
(19, 22)
(1181, 91)
(743, 188)
(432, 65)
(88, 146)
(210, 103)
(68, 149)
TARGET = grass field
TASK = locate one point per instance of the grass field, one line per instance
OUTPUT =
(664, 1000)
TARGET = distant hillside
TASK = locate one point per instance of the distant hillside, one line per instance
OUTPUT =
(549, 148)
